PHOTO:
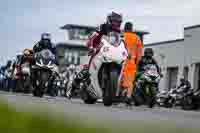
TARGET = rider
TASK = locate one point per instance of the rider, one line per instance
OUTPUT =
(44, 43)
(27, 56)
(185, 84)
(146, 60)
(112, 24)
(8, 73)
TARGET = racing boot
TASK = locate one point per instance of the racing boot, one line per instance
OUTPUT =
(126, 98)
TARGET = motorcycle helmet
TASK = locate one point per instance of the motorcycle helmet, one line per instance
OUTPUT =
(9, 63)
(114, 20)
(86, 66)
(46, 36)
(114, 38)
(19, 57)
(27, 52)
(46, 39)
(128, 27)
(182, 79)
(72, 67)
(148, 52)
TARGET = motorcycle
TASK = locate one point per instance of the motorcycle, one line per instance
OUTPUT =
(145, 90)
(60, 85)
(2, 79)
(78, 86)
(162, 98)
(44, 72)
(196, 99)
(182, 98)
(72, 84)
(23, 76)
(105, 69)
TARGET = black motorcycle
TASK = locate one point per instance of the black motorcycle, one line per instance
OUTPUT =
(162, 99)
(181, 97)
(60, 85)
(196, 99)
(78, 86)
(145, 90)
(43, 72)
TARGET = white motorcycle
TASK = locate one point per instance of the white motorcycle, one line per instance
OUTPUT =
(105, 69)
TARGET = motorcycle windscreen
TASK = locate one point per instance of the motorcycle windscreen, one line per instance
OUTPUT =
(114, 38)
(113, 53)
(46, 54)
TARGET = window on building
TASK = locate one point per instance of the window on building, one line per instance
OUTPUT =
(197, 77)
(70, 57)
(76, 57)
(186, 71)
(172, 77)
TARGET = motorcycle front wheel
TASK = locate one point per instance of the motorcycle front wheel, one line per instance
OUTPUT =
(187, 103)
(110, 90)
(151, 97)
(85, 96)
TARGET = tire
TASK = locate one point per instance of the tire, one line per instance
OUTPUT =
(38, 90)
(187, 103)
(27, 87)
(38, 93)
(19, 86)
(53, 92)
(138, 100)
(111, 87)
(151, 99)
(87, 98)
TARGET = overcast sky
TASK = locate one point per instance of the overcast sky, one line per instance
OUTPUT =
(22, 21)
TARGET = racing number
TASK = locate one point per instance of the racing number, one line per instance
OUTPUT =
(105, 49)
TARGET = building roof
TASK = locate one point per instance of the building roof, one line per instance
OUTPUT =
(71, 44)
(164, 42)
(70, 26)
(192, 27)
(141, 32)
(173, 41)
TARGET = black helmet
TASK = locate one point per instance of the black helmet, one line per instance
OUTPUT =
(182, 79)
(46, 36)
(128, 27)
(148, 52)
(9, 62)
(114, 19)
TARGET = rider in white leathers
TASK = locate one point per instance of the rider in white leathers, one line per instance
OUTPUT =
(99, 50)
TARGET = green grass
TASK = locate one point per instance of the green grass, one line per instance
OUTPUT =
(12, 121)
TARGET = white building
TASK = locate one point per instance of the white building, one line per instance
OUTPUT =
(179, 58)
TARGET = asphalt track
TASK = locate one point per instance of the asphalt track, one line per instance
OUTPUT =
(116, 113)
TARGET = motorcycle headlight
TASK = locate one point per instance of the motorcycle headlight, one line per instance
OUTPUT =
(158, 79)
(58, 83)
(147, 78)
(173, 95)
(65, 81)
(25, 70)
